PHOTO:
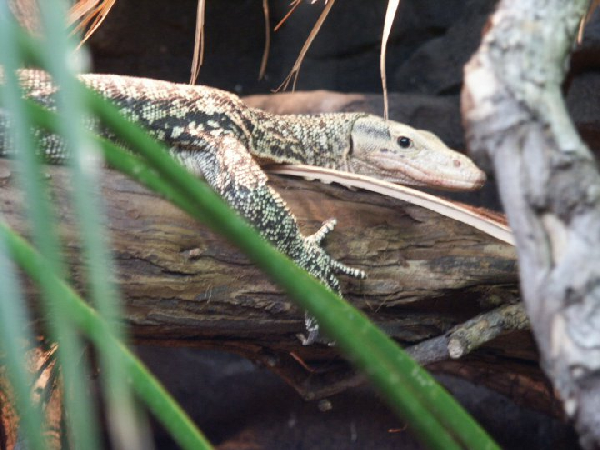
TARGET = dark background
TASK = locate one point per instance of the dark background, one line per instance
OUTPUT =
(237, 404)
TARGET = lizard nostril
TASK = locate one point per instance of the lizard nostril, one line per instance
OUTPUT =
(456, 163)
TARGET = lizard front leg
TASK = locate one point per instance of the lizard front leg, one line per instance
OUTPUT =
(224, 162)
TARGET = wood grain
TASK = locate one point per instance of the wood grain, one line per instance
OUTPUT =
(183, 285)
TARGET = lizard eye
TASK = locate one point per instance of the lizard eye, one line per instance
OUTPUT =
(404, 142)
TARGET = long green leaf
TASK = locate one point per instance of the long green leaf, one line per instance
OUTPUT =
(14, 331)
(406, 387)
(96, 329)
(80, 418)
(84, 163)
(14, 336)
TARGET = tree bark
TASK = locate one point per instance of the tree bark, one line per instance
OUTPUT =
(548, 180)
(180, 281)
(427, 275)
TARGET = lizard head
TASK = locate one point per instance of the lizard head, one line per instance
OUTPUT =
(401, 154)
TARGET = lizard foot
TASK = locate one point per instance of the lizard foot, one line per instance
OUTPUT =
(336, 266)
(324, 267)
(312, 332)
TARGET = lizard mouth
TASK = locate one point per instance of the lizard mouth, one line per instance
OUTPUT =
(457, 174)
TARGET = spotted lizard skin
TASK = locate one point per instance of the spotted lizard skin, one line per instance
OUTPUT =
(217, 137)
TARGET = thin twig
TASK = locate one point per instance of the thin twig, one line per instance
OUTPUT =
(293, 5)
(390, 13)
(198, 42)
(265, 57)
(586, 19)
(296, 68)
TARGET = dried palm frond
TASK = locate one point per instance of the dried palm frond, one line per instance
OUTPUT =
(86, 11)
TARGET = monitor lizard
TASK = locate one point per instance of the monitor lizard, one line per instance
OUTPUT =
(219, 138)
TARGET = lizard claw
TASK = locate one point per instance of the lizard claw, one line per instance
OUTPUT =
(322, 232)
(336, 266)
(324, 267)
(312, 328)
(343, 269)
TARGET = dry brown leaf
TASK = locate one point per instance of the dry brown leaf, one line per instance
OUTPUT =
(487, 221)
(86, 11)
(80, 9)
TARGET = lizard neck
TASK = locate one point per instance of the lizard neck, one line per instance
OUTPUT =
(320, 140)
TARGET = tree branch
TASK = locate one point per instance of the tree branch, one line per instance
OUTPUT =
(182, 285)
(516, 118)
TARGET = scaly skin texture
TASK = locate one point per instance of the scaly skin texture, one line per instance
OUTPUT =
(217, 137)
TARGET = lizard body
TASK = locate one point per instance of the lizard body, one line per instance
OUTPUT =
(217, 137)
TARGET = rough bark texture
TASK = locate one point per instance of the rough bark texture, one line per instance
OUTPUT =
(182, 282)
(182, 285)
(550, 187)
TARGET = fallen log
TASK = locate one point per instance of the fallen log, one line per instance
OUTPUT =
(427, 274)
